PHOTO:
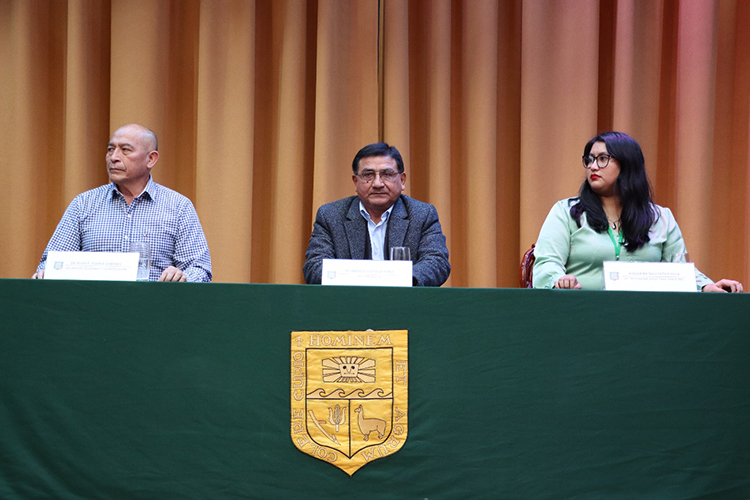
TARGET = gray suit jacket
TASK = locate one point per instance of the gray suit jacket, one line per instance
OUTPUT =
(340, 232)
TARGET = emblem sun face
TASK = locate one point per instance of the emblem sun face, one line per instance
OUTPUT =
(348, 369)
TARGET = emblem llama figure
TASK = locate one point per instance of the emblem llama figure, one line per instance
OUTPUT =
(368, 425)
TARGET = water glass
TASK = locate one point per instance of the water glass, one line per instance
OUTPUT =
(400, 253)
(144, 260)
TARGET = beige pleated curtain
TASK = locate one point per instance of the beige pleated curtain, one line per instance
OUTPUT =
(260, 106)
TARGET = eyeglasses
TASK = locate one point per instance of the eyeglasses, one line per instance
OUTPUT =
(385, 175)
(601, 161)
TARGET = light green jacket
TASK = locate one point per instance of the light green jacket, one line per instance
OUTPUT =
(564, 248)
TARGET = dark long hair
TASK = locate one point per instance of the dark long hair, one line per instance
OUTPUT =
(632, 186)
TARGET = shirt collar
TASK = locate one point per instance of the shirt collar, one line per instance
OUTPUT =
(150, 189)
(383, 218)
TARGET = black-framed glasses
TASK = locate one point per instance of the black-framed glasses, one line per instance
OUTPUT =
(602, 160)
(369, 176)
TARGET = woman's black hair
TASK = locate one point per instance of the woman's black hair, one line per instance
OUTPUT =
(632, 186)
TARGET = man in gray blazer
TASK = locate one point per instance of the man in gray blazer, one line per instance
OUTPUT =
(378, 218)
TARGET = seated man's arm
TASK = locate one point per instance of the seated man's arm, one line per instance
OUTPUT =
(191, 255)
(431, 265)
(66, 238)
(320, 247)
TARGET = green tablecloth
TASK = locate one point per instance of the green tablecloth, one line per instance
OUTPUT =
(176, 391)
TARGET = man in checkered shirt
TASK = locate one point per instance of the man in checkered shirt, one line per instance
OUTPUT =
(134, 208)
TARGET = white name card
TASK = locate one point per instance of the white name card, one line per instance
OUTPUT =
(367, 272)
(650, 276)
(95, 266)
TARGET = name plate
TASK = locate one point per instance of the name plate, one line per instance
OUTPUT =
(95, 266)
(650, 276)
(367, 272)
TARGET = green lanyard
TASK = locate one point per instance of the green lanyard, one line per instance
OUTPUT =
(616, 243)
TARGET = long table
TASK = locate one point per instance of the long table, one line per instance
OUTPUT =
(180, 391)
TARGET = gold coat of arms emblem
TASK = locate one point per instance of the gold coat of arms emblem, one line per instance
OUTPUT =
(349, 395)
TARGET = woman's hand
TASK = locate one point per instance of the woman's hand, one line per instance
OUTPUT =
(569, 282)
(730, 286)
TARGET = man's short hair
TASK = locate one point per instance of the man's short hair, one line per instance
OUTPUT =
(144, 131)
(378, 149)
(153, 137)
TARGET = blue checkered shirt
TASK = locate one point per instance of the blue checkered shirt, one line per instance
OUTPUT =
(100, 220)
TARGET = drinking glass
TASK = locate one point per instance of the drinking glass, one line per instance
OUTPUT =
(400, 253)
(144, 259)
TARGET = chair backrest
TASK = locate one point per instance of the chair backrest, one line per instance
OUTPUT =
(527, 267)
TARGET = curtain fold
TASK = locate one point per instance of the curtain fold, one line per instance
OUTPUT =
(225, 126)
(260, 106)
(559, 83)
(730, 166)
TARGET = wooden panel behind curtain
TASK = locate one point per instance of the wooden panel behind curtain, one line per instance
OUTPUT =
(260, 106)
